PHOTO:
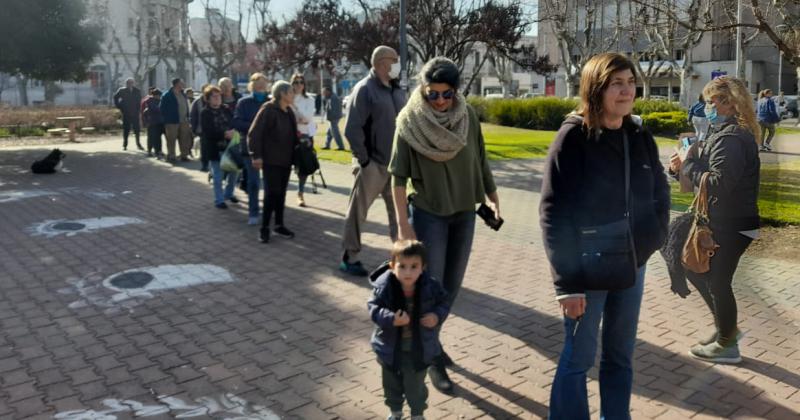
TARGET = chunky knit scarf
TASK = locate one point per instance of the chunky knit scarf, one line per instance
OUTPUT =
(439, 136)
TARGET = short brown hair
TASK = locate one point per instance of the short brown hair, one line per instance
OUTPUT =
(210, 90)
(409, 248)
(595, 78)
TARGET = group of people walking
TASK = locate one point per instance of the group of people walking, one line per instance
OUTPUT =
(604, 211)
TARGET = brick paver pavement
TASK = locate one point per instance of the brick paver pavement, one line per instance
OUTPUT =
(288, 336)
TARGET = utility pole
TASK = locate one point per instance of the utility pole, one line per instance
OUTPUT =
(780, 71)
(739, 51)
(403, 46)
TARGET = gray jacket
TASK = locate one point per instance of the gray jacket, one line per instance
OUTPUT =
(334, 109)
(371, 115)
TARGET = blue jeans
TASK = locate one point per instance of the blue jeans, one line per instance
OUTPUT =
(448, 241)
(333, 132)
(253, 186)
(619, 311)
(217, 176)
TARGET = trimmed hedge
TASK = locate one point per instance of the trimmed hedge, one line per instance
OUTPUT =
(547, 113)
(533, 113)
(672, 122)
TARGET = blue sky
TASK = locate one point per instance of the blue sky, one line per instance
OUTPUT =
(278, 8)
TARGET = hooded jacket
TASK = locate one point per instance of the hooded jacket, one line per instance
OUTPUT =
(584, 185)
(371, 115)
(387, 299)
(731, 156)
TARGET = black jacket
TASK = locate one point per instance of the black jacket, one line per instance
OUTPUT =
(387, 298)
(731, 156)
(214, 123)
(584, 185)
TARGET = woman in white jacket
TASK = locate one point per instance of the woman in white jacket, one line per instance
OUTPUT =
(304, 112)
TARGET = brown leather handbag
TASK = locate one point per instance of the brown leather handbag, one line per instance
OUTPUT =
(700, 245)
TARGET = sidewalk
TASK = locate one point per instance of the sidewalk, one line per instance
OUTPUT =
(286, 336)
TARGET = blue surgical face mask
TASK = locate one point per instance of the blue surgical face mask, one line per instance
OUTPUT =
(260, 96)
(712, 116)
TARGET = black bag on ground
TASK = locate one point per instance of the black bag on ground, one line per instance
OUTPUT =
(305, 158)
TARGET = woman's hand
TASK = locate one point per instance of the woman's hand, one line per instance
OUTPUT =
(573, 307)
(302, 120)
(494, 204)
(229, 134)
(675, 163)
(406, 232)
(258, 164)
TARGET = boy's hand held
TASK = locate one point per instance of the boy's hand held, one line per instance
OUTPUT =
(429, 320)
(401, 318)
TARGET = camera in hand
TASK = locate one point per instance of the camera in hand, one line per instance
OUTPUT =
(487, 214)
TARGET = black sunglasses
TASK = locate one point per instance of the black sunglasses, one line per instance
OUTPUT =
(434, 95)
(299, 82)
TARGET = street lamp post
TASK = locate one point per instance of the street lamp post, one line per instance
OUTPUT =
(403, 46)
(780, 70)
(739, 52)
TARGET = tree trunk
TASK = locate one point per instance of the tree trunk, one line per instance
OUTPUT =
(22, 86)
(684, 94)
(646, 87)
(51, 91)
(569, 79)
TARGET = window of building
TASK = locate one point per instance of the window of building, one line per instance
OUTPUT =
(679, 54)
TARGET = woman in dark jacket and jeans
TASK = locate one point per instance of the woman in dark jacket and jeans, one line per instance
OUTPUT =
(730, 156)
(271, 140)
(216, 133)
(583, 186)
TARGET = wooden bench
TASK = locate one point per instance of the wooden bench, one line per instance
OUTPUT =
(72, 121)
(87, 129)
(57, 131)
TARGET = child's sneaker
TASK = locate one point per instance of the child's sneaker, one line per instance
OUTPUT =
(420, 417)
(715, 353)
(395, 415)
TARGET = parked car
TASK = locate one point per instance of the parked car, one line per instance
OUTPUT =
(494, 96)
(790, 111)
(531, 95)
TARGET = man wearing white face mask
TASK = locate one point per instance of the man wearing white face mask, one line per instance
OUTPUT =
(374, 104)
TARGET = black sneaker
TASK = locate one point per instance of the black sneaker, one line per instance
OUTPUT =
(263, 235)
(221, 206)
(233, 200)
(282, 231)
(439, 379)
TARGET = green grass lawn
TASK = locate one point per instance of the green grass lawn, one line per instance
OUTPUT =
(778, 198)
(502, 143)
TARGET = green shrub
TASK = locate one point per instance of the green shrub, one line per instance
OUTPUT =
(648, 106)
(533, 113)
(672, 122)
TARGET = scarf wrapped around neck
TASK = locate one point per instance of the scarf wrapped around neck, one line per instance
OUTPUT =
(439, 136)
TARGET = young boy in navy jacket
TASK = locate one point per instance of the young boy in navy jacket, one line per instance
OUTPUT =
(406, 306)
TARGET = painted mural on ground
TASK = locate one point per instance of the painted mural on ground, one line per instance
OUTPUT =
(9, 196)
(126, 289)
(226, 406)
(51, 228)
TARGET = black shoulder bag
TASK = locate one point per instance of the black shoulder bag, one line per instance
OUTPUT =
(608, 255)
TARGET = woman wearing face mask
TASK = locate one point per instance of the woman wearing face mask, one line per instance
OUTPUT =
(730, 156)
(243, 117)
(303, 108)
(584, 191)
(272, 139)
(439, 148)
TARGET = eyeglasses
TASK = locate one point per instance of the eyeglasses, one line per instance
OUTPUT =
(298, 82)
(434, 95)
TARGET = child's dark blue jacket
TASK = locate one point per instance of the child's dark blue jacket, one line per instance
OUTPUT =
(387, 298)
